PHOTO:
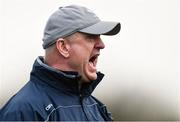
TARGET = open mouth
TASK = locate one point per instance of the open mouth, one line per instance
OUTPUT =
(93, 60)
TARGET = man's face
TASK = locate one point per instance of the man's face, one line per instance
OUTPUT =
(84, 52)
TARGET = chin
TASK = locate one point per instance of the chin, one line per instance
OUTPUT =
(89, 73)
(89, 78)
(93, 78)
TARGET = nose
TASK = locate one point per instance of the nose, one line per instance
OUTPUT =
(99, 44)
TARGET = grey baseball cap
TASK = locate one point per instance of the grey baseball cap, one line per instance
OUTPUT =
(74, 18)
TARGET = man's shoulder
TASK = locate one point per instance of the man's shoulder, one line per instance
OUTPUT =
(28, 97)
(17, 103)
(17, 109)
(28, 94)
(27, 101)
(20, 100)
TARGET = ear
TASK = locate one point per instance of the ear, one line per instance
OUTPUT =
(63, 47)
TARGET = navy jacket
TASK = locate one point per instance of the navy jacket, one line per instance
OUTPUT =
(52, 95)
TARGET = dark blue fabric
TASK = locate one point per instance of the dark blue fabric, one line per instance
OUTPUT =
(52, 95)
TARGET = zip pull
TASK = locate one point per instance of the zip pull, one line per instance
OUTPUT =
(48, 107)
(80, 96)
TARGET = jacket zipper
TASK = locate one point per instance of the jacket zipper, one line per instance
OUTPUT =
(81, 101)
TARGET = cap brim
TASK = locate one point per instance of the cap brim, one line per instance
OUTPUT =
(103, 28)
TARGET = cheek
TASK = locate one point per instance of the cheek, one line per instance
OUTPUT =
(81, 51)
(78, 56)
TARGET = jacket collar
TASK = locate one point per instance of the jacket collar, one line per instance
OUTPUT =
(64, 81)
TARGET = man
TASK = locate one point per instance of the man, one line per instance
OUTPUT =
(62, 81)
